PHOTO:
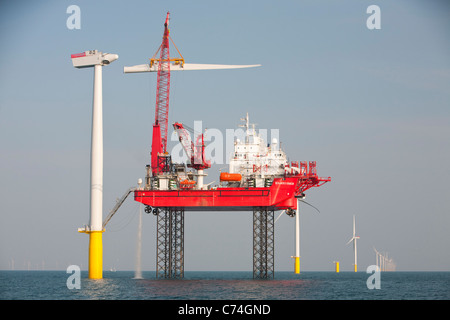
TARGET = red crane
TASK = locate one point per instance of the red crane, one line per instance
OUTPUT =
(159, 140)
(164, 65)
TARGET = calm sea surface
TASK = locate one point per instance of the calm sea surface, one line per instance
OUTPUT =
(51, 285)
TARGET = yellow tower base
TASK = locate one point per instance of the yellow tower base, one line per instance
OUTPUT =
(356, 268)
(337, 266)
(297, 265)
(95, 254)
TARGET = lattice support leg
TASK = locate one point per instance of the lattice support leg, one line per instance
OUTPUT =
(263, 243)
(170, 244)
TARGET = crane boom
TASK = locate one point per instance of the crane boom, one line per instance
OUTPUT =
(163, 88)
(159, 141)
(185, 139)
(195, 153)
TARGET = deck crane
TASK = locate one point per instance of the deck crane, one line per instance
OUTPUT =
(195, 152)
(163, 66)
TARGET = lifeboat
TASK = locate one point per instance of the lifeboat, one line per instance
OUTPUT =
(187, 183)
(225, 176)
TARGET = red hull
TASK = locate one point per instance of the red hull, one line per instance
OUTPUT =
(279, 196)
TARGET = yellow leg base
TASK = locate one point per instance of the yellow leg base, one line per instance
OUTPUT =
(95, 255)
(297, 265)
(356, 268)
(337, 266)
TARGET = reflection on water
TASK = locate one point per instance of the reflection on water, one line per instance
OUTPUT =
(199, 286)
(196, 285)
(99, 289)
(39, 285)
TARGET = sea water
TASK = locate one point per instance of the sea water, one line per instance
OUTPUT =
(121, 285)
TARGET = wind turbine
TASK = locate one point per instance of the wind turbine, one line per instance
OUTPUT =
(300, 198)
(96, 59)
(354, 238)
(297, 236)
(377, 255)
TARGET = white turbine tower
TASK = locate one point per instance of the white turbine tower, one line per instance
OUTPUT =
(297, 236)
(354, 238)
(96, 59)
(377, 261)
(300, 198)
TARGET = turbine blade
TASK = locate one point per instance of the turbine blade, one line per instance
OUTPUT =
(138, 68)
(186, 66)
(354, 226)
(196, 66)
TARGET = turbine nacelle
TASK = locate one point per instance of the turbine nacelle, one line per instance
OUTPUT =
(352, 239)
(92, 58)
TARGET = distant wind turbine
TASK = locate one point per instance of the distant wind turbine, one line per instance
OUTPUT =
(354, 238)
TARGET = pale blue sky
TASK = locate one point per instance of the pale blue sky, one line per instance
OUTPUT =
(372, 107)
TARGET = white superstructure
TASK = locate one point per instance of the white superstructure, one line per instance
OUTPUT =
(257, 162)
